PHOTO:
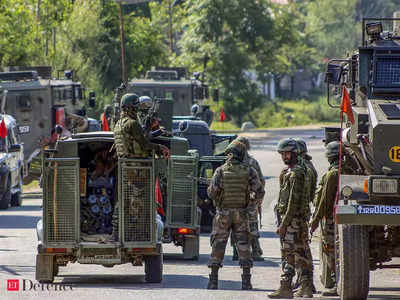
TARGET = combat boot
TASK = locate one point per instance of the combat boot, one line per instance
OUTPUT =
(213, 282)
(284, 292)
(235, 255)
(330, 292)
(305, 290)
(256, 250)
(246, 279)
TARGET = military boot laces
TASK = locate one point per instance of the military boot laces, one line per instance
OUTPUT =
(284, 292)
(213, 281)
(257, 251)
(305, 290)
(246, 279)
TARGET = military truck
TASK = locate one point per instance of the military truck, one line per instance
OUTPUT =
(39, 102)
(368, 208)
(171, 83)
(81, 184)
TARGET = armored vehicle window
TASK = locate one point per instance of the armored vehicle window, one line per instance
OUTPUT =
(387, 71)
(24, 102)
(11, 137)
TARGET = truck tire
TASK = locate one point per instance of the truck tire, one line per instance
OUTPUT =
(45, 265)
(5, 199)
(153, 268)
(326, 279)
(16, 199)
(191, 247)
(353, 267)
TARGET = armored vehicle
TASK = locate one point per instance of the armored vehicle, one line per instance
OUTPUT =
(368, 207)
(171, 83)
(38, 102)
(11, 162)
(81, 184)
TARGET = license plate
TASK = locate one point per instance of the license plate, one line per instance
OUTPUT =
(24, 129)
(378, 210)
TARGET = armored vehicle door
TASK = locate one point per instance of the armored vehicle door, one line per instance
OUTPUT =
(182, 191)
(137, 202)
(61, 201)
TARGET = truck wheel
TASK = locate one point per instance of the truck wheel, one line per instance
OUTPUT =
(45, 268)
(5, 199)
(16, 199)
(325, 276)
(353, 268)
(191, 248)
(153, 268)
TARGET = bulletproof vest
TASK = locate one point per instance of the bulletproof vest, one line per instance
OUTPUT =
(286, 189)
(125, 142)
(235, 181)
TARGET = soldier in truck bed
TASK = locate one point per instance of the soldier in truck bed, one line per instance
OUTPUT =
(130, 142)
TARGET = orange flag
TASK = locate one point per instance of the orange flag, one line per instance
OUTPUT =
(104, 123)
(3, 129)
(345, 106)
(222, 116)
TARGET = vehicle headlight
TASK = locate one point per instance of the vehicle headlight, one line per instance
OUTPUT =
(384, 186)
(347, 191)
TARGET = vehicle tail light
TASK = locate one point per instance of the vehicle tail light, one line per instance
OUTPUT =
(185, 231)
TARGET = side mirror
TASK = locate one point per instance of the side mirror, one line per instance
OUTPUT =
(92, 99)
(333, 74)
(216, 95)
(15, 148)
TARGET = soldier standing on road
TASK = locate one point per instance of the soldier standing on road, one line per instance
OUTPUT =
(310, 185)
(130, 142)
(292, 222)
(323, 215)
(253, 214)
(235, 188)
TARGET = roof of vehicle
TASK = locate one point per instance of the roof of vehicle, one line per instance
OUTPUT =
(93, 134)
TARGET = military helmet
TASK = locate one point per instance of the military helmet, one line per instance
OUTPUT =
(129, 100)
(287, 145)
(237, 149)
(332, 149)
(245, 141)
(302, 146)
(145, 102)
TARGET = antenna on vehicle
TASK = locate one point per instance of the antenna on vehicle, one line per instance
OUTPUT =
(3, 101)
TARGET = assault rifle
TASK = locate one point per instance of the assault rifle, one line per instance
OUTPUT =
(151, 115)
(259, 210)
(117, 101)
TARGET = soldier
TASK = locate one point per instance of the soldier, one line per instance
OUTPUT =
(293, 229)
(323, 214)
(106, 118)
(235, 188)
(253, 215)
(311, 184)
(130, 142)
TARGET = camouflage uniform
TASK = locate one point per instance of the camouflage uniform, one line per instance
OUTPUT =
(230, 190)
(253, 217)
(292, 212)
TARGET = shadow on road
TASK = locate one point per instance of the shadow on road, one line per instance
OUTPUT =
(137, 282)
(32, 195)
(16, 270)
(177, 259)
(268, 235)
(18, 221)
(26, 208)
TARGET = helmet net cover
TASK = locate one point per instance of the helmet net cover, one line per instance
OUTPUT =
(288, 145)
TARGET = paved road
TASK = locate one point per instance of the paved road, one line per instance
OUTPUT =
(182, 279)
